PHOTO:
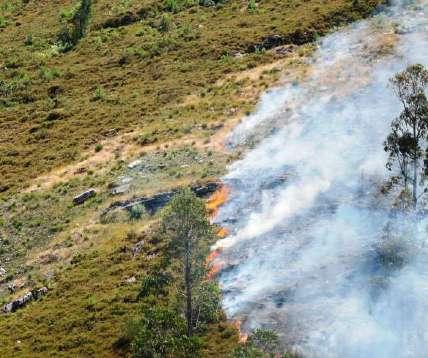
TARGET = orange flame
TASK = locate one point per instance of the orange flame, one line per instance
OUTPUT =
(222, 233)
(212, 256)
(213, 204)
(242, 336)
(216, 200)
(214, 265)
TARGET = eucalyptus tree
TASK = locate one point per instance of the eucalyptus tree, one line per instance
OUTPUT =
(406, 143)
(186, 224)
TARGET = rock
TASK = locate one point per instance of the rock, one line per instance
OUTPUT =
(203, 191)
(80, 170)
(48, 258)
(81, 198)
(153, 203)
(121, 186)
(78, 237)
(285, 50)
(11, 288)
(24, 300)
(2, 271)
(134, 164)
(39, 293)
(55, 91)
(131, 280)
(298, 37)
(138, 248)
(55, 115)
(122, 20)
(121, 189)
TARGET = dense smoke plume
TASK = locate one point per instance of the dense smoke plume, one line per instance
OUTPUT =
(315, 251)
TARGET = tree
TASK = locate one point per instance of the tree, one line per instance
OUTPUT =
(410, 129)
(185, 223)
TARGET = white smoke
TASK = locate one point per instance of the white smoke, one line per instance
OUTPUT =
(305, 212)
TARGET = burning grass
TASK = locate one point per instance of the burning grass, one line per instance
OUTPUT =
(216, 201)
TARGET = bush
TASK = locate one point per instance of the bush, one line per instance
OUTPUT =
(136, 212)
(161, 333)
(166, 23)
(154, 284)
(261, 343)
(3, 22)
(49, 74)
(207, 304)
(74, 23)
(99, 94)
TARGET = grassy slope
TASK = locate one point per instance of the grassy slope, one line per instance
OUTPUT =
(144, 75)
(160, 86)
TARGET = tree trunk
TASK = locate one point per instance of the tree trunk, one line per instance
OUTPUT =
(405, 175)
(415, 182)
(415, 168)
(188, 282)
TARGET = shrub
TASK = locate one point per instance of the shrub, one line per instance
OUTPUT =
(154, 284)
(99, 94)
(252, 6)
(261, 343)
(165, 23)
(3, 22)
(49, 74)
(136, 212)
(98, 148)
(74, 22)
(28, 40)
(161, 333)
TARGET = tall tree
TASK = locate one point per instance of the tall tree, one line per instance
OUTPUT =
(185, 221)
(410, 129)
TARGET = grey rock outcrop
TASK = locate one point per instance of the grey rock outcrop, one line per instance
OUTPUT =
(81, 198)
(24, 300)
(153, 203)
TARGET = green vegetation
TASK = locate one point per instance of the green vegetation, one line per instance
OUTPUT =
(405, 144)
(73, 24)
(179, 281)
(165, 82)
(185, 222)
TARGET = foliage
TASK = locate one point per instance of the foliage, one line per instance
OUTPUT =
(74, 23)
(161, 333)
(410, 129)
(261, 343)
(155, 284)
(136, 212)
(185, 223)
(207, 304)
(252, 6)
(264, 339)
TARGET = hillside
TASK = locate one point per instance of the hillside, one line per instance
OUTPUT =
(135, 95)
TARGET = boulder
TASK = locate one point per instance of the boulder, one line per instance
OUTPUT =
(24, 300)
(153, 203)
(121, 20)
(2, 271)
(131, 280)
(138, 248)
(81, 198)
(135, 164)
